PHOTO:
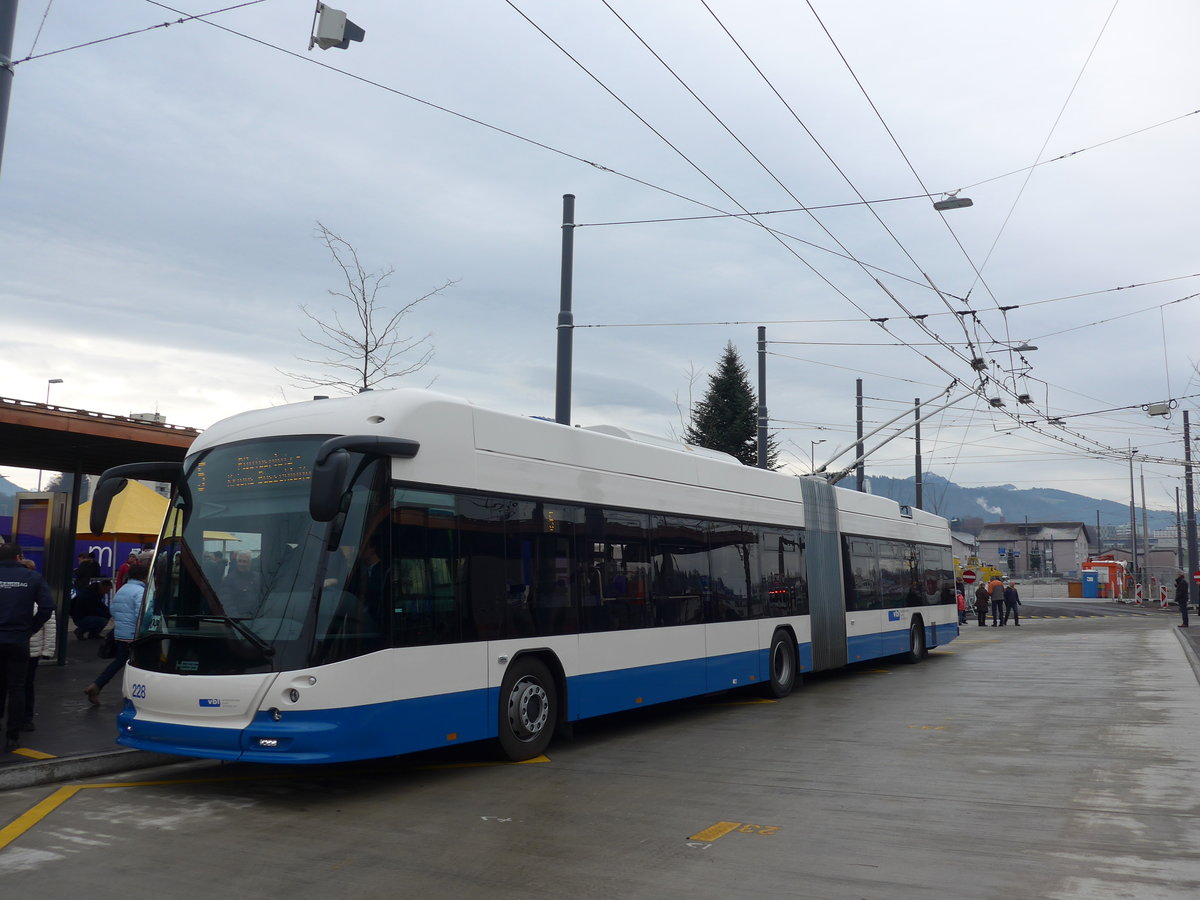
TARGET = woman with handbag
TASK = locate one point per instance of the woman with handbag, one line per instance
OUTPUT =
(125, 606)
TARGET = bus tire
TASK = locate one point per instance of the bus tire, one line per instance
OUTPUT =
(916, 642)
(528, 709)
(781, 665)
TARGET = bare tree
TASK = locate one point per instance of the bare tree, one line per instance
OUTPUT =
(693, 375)
(368, 349)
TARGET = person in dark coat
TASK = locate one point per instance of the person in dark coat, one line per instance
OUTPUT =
(25, 606)
(89, 610)
(1181, 597)
(87, 569)
(981, 603)
(1011, 601)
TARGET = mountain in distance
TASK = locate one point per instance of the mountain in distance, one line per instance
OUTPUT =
(8, 492)
(1006, 503)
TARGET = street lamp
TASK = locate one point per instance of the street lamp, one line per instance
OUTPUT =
(812, 455)
(48, 383)
(952, 201)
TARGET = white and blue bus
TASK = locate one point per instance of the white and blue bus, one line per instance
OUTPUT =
(415, 572)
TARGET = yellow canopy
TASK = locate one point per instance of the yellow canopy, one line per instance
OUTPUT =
(137, 510)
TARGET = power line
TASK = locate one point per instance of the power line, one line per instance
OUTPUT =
(1045, 143)
(1072, 153)
(186, 18)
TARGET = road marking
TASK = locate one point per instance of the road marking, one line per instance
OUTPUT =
(713, 832)
(31, 817)
(929, 727)
(720, 829)
(32, 754)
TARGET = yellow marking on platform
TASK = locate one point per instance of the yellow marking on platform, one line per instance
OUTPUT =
(713, 832)
(33, 816)
(929, 727)
(32, 754)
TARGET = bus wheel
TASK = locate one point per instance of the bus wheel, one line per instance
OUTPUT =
(782, 664)
(916, 642)
(528, 709)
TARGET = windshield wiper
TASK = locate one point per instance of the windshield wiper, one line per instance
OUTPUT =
(244, 631)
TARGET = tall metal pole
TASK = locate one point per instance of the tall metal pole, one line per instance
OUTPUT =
(8, 26)
(566, 318)
(1133, 541)
(1193, 561)
(860, 471)
(762, 397)
(917, 434)
(1146, 573)
(1178, 529)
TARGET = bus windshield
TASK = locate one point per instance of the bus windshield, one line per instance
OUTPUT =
(242, 571)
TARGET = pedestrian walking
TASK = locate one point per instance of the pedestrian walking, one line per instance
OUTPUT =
(25, 606)
(996, 593)
(125, 606)
(1181, 597)
(1011, 601)
(981, 604)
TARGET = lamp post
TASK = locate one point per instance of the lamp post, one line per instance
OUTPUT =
(49, 382)
(812, 455)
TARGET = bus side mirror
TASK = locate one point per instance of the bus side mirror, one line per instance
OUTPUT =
(102, 500)
(113, 481)
(328, 483)
(332, 464)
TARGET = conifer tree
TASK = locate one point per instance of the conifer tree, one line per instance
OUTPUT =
(726, 419)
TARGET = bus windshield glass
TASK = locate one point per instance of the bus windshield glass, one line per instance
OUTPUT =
(241, 563)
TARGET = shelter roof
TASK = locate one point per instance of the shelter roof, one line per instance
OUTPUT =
(135, 511)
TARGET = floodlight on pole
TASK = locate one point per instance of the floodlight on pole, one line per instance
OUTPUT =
(48, 383)
(331, 28)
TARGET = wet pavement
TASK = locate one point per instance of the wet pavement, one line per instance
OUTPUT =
(73, 738)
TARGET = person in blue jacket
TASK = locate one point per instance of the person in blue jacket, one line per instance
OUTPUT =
(25, 606)
(124, 606)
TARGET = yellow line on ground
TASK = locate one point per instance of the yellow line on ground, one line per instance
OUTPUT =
(32, 754)
(33, 816)
(24, 822)
(712, 832)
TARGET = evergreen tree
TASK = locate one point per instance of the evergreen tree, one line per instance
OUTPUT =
(726, 419)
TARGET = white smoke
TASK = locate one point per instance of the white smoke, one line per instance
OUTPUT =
(994, 510)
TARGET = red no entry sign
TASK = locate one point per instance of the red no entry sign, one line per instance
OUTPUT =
(969, 576)
(1196, 577)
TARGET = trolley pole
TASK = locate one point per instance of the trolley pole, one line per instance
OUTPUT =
(566, 318)
(762, 397)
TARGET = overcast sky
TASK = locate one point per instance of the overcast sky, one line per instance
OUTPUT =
(160, 193)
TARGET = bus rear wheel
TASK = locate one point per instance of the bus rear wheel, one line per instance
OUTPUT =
(916, 642)
(781, 663)
(528, 709)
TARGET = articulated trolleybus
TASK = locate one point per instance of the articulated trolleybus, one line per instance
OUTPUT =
(399, 570)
